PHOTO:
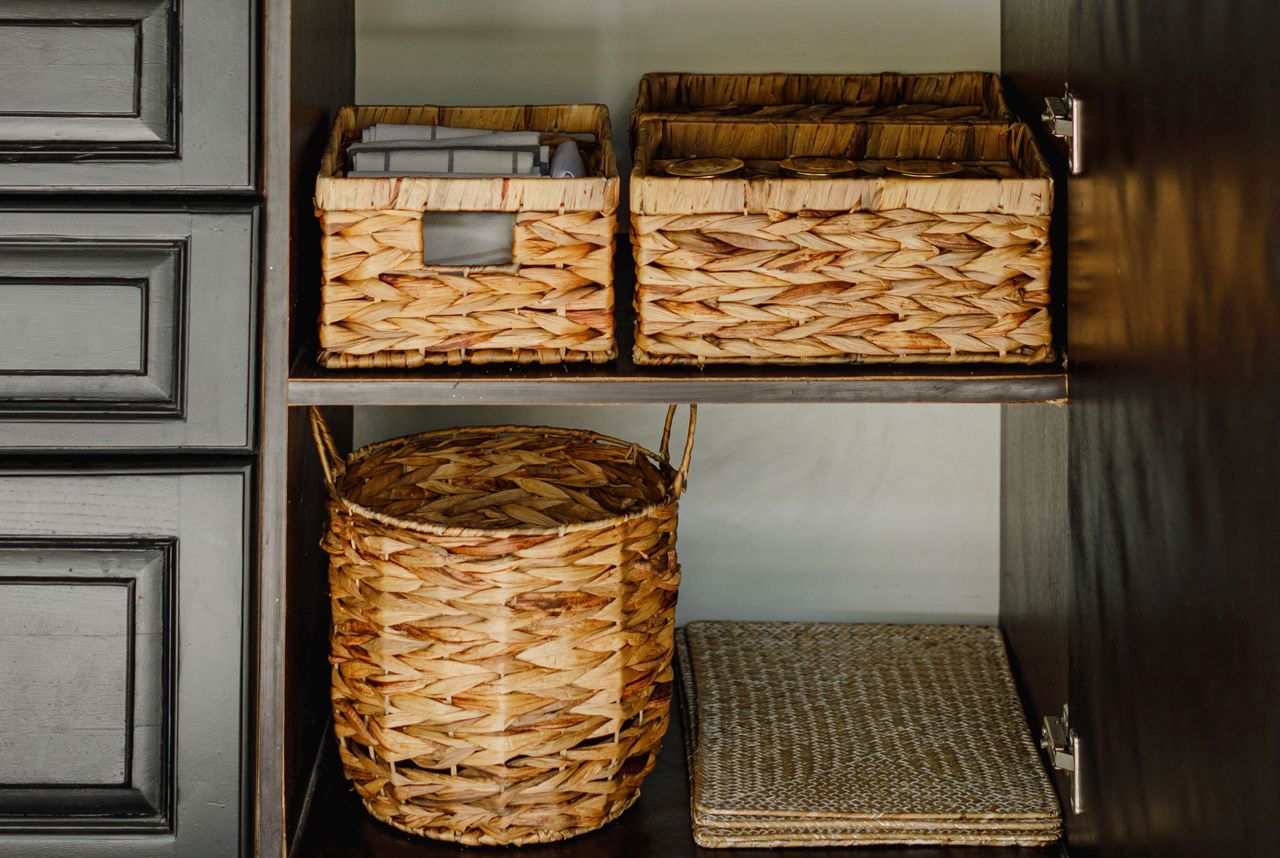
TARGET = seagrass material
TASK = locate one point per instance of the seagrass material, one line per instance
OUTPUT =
(772, 832)
(503, 615)
(811, 734)
(946, 97)
(876, 267)
(381, 306)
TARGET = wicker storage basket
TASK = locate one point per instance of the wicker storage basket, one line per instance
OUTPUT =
(875, 268)
(888, 96)
(383, 307)
(503, 618)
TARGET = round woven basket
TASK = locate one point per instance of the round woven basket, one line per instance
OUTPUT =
(503, 625)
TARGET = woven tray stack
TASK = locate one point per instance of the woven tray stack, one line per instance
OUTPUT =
(810, 734)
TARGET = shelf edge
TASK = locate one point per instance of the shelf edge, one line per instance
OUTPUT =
(995, 389)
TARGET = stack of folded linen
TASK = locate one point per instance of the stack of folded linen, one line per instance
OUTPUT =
(436, 150)
(820, 734)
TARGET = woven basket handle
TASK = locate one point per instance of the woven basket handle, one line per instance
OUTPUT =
(330, 460)
(680, 483)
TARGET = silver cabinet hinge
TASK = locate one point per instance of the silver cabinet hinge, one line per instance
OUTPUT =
(1065, 119)
(1062, 745)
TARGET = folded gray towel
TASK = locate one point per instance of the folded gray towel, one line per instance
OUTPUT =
(482, 140)
(494, 162)
(382, 131)
(499, 154)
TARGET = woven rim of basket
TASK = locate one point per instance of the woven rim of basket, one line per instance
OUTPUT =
(341, 466)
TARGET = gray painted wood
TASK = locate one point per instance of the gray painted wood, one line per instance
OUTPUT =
(92, 327)
(86, 75)
(56, 527)
(127, 329)
(300, 96)
(56, 70)
(70, 725)
(85, 632)
(127, 95)
(73, 326)
(924, 386)
(273, 447)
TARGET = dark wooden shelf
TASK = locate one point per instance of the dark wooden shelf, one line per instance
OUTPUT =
(338, 826)
(621, 381)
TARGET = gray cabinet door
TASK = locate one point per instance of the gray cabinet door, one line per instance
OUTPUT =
(126, 94)
(122, 598)
(126, 329)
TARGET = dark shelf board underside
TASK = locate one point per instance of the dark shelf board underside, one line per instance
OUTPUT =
(622, 384)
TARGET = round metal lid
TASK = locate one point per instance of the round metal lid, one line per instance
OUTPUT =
(816, 166)
(922, 169)
(704, 168)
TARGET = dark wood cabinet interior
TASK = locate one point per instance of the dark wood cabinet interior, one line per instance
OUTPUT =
(160, 258)
(658, 824)
(320, 814)
(1175, 487)
(1136, 475)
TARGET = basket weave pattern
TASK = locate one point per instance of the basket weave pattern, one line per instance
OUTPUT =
(865, 286)
(503, 625)
(893, 735)
(947, 97)
(880, 268)
(381, 308)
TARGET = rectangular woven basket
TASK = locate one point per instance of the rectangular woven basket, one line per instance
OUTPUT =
(382, 306)
(886, 96)
(875, 268)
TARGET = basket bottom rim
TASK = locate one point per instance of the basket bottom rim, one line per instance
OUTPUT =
(469, 837)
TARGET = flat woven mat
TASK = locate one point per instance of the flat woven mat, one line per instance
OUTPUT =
(810, 734)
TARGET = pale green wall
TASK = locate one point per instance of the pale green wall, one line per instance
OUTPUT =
(794, 511)
(518, 51)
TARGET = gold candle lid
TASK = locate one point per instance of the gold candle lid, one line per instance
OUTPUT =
(705, 168)
(816, 166)
(922, 169)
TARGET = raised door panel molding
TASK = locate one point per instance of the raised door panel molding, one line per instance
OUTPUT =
(122, 598)
(86, 635)
(92, 327)
(127, 95)
(127, 329)
(88, 78)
